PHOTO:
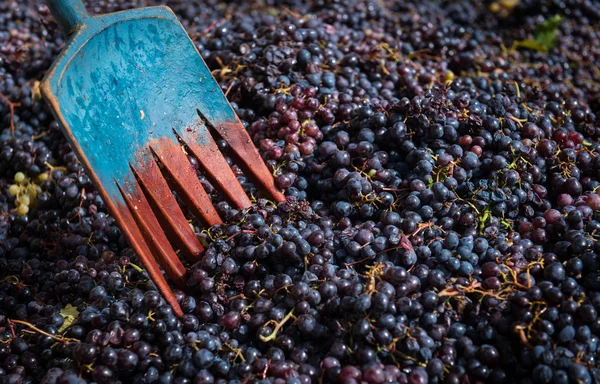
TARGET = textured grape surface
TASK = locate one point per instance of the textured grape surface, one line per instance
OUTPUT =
(441, 164)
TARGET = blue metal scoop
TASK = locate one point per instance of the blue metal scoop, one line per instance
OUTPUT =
(132, 93)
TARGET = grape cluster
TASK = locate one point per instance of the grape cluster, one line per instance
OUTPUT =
(440, 162)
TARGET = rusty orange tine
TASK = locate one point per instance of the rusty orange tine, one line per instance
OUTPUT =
(215, 167)
(167, 210)
(144, 217)
(246, 156)
(183, 178)
(136, 239)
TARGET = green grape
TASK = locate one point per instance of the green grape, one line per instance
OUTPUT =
(19, 177)
(14, 189)
(24, 200)
(22, 209)
(43, 176)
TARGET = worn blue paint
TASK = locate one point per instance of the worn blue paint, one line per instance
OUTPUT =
(69, 14)
(126, 79)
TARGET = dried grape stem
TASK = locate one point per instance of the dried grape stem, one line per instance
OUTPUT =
(11, 106)
(64, 340)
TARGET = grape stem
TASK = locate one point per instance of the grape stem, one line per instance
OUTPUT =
(520, 331)
(12, 329)
(64, 340)
(278, 326)
(231, 84)
(11, 107)
(210, 27)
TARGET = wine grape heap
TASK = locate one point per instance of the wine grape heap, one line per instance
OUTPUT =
(441, 162)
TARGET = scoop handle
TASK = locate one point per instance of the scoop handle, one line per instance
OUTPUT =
(70, 15)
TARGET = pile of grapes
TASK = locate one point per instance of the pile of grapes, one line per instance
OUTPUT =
(442, 165)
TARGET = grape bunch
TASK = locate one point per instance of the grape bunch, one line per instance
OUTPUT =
(441, 164)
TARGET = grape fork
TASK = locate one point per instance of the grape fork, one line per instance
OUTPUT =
(130, 91)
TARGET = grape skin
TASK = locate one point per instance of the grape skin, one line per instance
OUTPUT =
(441, 223)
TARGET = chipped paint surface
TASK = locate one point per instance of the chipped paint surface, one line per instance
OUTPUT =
(69, 14)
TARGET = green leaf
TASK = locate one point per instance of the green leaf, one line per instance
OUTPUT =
(531, 44)
(550, 25)
(545, 36)
(69, 313)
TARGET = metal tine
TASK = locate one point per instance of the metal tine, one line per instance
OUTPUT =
(166, 209)
(182, 177)
(244, 154)
(148, 224)
(215, 167)
(137, 241)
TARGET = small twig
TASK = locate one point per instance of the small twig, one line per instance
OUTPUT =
(210, 27)
(81, 203)
(239, 296)
(11, 106)
(12, 329)
(216, 24)
(229, 88)
(518, 121)
(64, 340)
(296, 15)
(361, 260)
(36, 137)
(234, 235)
(420, 228)
(238, 352)
(520, 331)
(54, 168)
(460, 290)
(264, 372)
(278, 326)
